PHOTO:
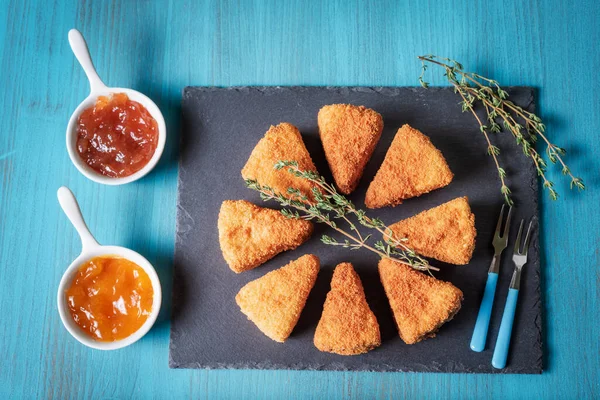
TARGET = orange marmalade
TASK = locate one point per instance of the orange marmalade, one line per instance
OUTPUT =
(117, 136)
(110, 298)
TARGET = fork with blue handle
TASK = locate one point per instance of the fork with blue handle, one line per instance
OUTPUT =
(485, 309)
(503, 341)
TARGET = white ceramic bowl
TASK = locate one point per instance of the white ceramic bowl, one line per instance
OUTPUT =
(98, 88)
(91, 249)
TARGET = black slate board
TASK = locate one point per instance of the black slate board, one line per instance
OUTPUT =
(221, 127)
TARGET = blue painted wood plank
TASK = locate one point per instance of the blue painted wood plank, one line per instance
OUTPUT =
(158, 48)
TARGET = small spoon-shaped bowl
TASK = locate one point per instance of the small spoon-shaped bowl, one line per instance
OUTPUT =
(98, 88)
(91, 249)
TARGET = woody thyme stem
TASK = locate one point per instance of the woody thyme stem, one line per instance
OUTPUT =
(471, 87)
(328, 200)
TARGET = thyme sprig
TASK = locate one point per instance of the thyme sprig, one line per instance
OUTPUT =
(329, 206)
(473, 88)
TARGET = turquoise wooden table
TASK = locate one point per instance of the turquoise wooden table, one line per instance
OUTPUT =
(160, 47)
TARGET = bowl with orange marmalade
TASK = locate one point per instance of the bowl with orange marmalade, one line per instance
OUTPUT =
(108, 300)
(116, 135)
(110, 296)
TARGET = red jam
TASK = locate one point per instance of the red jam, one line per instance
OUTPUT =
(116, 137)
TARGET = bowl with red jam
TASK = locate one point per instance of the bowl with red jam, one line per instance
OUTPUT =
(116, 135)
(110, 296)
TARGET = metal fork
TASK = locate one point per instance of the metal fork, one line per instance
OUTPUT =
(503, 341)
(485, 309)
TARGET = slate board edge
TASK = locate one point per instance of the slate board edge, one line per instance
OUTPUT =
(340, 367)
(537, 368)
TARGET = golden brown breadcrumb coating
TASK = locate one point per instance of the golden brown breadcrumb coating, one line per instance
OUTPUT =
(349, 135)
(281, 143)
(446, 232)
(274, 302)
(250, 235)
(420, 303)
(412, 167)
(347, 325)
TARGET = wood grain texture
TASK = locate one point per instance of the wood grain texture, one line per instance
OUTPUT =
(160, 47)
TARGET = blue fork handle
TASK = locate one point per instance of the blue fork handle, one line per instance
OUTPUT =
(485, 312)
(503, 341)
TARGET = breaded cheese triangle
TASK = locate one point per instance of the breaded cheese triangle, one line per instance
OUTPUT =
(347, 325)
(446, 232)
(420, 303)
(274, 302)
(281, 143)
(250, 235)
(412, 167)
(349, 135)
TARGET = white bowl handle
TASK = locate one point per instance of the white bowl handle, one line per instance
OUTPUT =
(71, 208)
(81, 51)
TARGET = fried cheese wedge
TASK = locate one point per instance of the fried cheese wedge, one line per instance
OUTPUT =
(274, 302)
(250, 235)
(349, 135)
(446, 232)
(347, 325)
(412, 166)
(281, 143)
(420, 303)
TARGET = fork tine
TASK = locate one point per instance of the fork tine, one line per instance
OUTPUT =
(507, 226)
(518, 241)
(499, 224)
(526, 245)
